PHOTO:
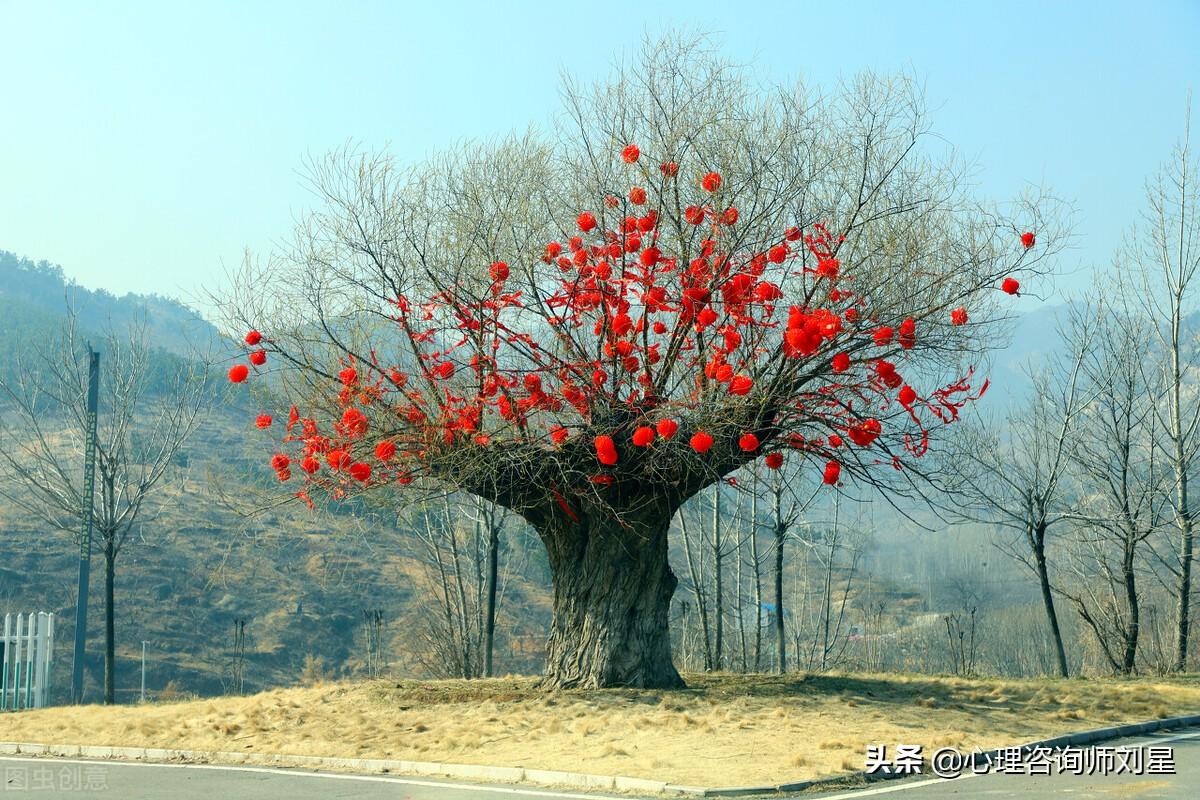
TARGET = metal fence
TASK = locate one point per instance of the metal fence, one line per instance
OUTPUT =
(26, 653)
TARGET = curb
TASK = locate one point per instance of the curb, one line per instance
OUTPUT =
(544, 777)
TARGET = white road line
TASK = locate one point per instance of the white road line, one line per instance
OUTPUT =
(301, 773)
(918, 784)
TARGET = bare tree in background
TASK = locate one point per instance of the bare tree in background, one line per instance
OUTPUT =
(1016, 481)
(145, 417)
(1163, 255)
(1112, 459)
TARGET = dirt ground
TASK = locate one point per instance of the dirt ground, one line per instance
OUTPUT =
(723, 730)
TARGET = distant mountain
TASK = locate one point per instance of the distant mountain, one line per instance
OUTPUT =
(35, 295)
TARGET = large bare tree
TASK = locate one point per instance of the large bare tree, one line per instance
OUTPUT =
(147, 410)
(591, 327)
(1159, 266)
(1013, 473)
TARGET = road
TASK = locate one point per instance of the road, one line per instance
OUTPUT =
(46, 778)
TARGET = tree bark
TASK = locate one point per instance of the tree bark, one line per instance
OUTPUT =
(1043, 573)
(489, 630)
(780, 641)
(612, 595)
(110, 655)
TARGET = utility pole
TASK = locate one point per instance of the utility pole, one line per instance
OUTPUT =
(85, 539)
(143, 670)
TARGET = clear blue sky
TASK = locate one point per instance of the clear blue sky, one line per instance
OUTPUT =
(144, 146)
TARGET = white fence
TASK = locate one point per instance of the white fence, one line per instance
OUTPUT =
(26, 652)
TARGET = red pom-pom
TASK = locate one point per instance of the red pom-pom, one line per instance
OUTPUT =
(748, 442)
(730, 217)
(558, 434)
(774, 460)
(741, 385)
(637, 195)
(337, 459)
(385, 450)
(258, 357)
(348, 376)
(883, 335)
(833, 471)
(840, 362)
(666, 428)
(280, 462)
(310, 465)
(253, 338)
(670, 169)
(701, 442)
(711, 182)
(1010, 286)
(630, 154)
(1028, 239)
(606, 450)
(238, 373)
(263, 421)
(694, 215)
(360, 472)
(499, 271)
(586, 221)
(643, 436)
(908, 395)
(958, 316)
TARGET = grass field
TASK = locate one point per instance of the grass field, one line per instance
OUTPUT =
(724, 730)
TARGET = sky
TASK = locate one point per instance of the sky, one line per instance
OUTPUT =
(146, 146)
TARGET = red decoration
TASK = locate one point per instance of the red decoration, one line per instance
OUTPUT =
(263, 421)
(258, 357)
(907, 396)
(730, 217)
(670, 169)
(360, 472)
(748, 442)
(1028, 239)
(238, 373)
(741, 385)
(637, 196)
(1010, 286)
(701, 442)
(958, 316)
(666, 428)
(586, 221)
(883, 335)
(606, 450)
(643, 436)
(280, 462)
(694, 215)
(385, 451)
(833, 471)
(499, 271)
(711, 182)
(840, 363)
(253, 338)
(774, 460)
(630, 154)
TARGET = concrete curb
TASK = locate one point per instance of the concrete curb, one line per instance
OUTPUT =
(544, 777)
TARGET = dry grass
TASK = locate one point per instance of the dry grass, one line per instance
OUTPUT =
(724, 730)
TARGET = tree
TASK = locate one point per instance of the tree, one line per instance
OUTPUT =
(589, 329)
(1015, 481)
(1164, 256)
(1119, 482)
(149, 405)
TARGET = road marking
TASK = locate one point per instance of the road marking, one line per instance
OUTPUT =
(918, 784)
(301, 773)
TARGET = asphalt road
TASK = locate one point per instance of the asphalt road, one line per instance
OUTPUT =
(46, 778)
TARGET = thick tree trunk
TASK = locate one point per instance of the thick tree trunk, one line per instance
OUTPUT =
(1043, 574)
(489, 629)
(110, 657)
(1129, 657)
(780, 641)
(612, 595)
